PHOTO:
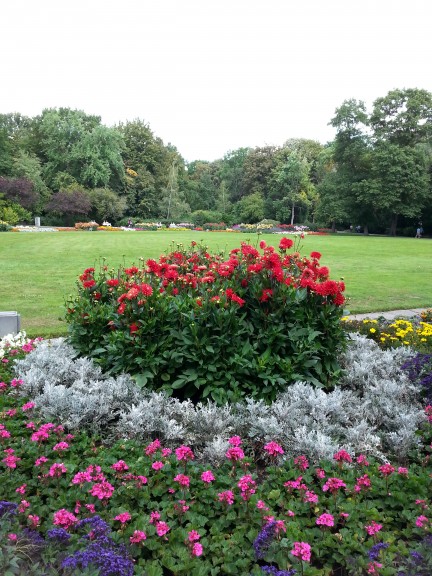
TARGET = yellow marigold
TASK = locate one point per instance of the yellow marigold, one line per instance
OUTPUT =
(372, 330)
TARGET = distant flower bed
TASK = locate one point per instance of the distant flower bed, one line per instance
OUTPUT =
(86, 226)
(34, 229)
(109, 228)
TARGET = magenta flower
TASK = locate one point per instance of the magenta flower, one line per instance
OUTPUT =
(81, 478)
(361, 459)
(61, 446)
(103, 491)
(247, 486)
(227, 496)
(320, 473)
(310, 497)
(57, 470)
(184, 453)
(402, 471)
(333, 485)
(182, 479)
(342, 456)
(235, 441)
(301, 462)
(273, 449)
(162, 528)
(373, 528)
(123, 517)
(137, 537)
(41, 461)
(197, 549)
(193, 536)
(158, 465)
(373, 568)
(12, 537)
(325, 520)
(154, 517)
(120, 466)
(234, 454)
(207, 476)
(153, 447)
(34, 521)
(28, 406)
(21, 489)
(64, 519)
(421, 521)
(23, 506)
(302, 550)
(386, 469)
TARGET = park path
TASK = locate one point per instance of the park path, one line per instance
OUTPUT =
(390, 315)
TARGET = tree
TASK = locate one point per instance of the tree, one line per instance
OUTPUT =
(250, 208)
(69, 204)
(403, 117)
(106, 205)
(27, 165)
(290, 187)
(19, 191)
(398, 183)
(172, 204)
(73, 142)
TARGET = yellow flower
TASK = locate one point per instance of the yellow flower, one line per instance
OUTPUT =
(372, 330)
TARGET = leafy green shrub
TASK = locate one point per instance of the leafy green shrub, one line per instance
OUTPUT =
(4, 226)
(199, 325)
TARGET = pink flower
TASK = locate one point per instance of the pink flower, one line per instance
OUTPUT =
(57, 470)
(235, 454)
(280, 526)
(207, 476)
(12, 537)
(227, 496)
(235, 441)
(301, 462)
(64, 519)
(4, 434)
(166, 452)
(15, 383)
(333, 485)
(103, 491)
(61, 446)
(310, 497)
(386, 469)
(373, 528)
(153, 447)
(123, 517)
(247, 486)
(28, 406)
(320, 473)
(184, 453)
(34, 521)
(10, 460)
(81, 478)
(373, 567)
(41, 461)
(141, 480)
(162, 528)
(91, 508)
(261, 505)
(120, 466)
(21, 489)
(158, 465)
(11, 413)
(137, 537)
(421, 521)
(295, 484)
(403, 471)
(193, 536)
(273, 449)
(325, 520)
(23, 506)
(154, 517)
(362, 483)
(197, 549)
(182, 480)
(361, 459)
(342, 456)
(302, 550)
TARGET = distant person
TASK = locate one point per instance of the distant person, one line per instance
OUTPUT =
(419, 231)
(129, 223)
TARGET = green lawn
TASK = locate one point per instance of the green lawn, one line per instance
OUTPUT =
(37, 270)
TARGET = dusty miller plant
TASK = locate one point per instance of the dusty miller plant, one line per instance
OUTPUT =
(375, 409)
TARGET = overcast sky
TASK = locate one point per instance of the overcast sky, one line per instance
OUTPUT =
(211, 76)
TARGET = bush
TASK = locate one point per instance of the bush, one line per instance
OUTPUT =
(4, 226)
(199, 325)
(86, 226)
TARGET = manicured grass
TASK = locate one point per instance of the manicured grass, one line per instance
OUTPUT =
(38, 270)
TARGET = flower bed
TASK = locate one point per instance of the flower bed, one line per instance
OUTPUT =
(70, 501)
(201, 326)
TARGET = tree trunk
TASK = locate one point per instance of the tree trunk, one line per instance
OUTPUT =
(292, 214)
(365, 230)
(393, 225)
(333, 228)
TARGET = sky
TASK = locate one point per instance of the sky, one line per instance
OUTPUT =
(210, 76)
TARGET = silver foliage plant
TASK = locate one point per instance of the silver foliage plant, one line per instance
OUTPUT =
(374, 410)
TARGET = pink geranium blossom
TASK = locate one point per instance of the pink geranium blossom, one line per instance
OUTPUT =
(273, 449)
(120, 466)
(137, 537)
(302, 550)
(158, 465)
(61, 446)
(235, 453)
(182, 479)
(162, 528)
(64, 519)
(373, 528)
(333, 485)
(123, 517)
(301, 462)
(421, 521)
(207, 476)
(103, 491)
(184, 453)
(197, 549)
(325, 520)
(227, 496)
(235, 441)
